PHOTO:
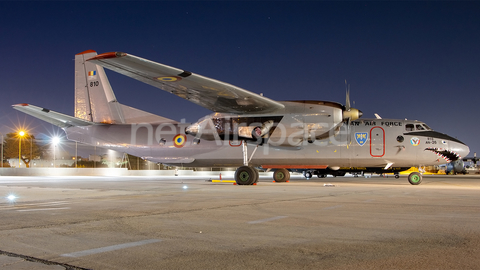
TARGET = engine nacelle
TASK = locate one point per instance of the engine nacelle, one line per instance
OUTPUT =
(298, 122)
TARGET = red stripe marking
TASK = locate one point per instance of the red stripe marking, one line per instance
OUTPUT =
(294, 166)
(107, 55)
(87, 51)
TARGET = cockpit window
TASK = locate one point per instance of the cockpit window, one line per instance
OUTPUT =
(427, 127)
(420, 127)
(413, 127)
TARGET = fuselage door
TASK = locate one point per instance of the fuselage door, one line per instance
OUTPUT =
(377, 142)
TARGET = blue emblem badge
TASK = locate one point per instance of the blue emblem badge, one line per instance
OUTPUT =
(361, 138)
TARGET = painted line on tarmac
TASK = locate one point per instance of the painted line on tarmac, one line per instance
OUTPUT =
(266, 220)
(110, 248)
(43, 209)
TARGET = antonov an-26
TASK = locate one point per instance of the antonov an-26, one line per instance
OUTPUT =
(245, 130)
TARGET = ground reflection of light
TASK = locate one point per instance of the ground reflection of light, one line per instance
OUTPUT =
(185, 187)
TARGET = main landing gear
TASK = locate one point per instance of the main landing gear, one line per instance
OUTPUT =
(281, 175)
(247, 175)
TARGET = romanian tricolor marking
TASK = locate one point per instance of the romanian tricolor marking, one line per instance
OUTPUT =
(179, 140)
(169, 79)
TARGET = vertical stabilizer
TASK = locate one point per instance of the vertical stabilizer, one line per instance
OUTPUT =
(94, 98)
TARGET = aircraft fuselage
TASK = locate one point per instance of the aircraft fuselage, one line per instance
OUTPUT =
(363, 143)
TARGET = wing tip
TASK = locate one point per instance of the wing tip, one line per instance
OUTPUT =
(87, 51)
(108, 55)
(21, 105)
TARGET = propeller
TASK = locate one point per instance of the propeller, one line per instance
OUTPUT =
(349, 113)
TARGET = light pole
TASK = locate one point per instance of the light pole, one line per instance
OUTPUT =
(2, 150)
(21, 134)
(76, 154)
(55, 141)
(31, 151)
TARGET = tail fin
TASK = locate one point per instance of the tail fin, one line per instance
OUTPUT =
(95, 100)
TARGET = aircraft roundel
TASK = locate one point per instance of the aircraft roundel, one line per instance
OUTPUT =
(169, 79)
(415, 141)
(179, 140)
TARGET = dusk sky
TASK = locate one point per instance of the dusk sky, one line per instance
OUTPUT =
(414, 60)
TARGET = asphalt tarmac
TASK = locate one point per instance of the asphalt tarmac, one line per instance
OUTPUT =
(188, 223)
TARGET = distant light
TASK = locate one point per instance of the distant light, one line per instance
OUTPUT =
(12, 198)
(185, 187)
(55, 140)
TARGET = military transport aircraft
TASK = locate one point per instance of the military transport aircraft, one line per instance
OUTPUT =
(315, 136)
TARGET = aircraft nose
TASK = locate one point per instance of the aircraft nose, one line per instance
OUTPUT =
(461, 149)
(464, 150)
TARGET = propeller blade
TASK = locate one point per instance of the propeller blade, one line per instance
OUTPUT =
(347, 101)
(349, 113)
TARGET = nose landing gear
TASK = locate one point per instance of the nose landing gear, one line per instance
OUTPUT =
(415, 178)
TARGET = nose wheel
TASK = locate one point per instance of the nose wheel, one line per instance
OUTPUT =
(415, 178)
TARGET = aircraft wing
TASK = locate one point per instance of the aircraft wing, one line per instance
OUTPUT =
(55, 118)
(206, 92)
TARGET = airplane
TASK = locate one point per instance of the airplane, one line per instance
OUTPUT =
(245, 130)
(470, 169)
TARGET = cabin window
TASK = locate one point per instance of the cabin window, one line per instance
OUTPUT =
(162, 142)
(400, 139)
(409, 127)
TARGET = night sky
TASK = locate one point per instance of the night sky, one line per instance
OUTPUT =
(414, 60)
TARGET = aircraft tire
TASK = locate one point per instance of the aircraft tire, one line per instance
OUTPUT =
(397, 176)
(415, 178)
(246, 175)
(281, 175)
(308, 175)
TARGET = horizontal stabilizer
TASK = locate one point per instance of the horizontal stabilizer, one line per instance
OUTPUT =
(55, 118)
